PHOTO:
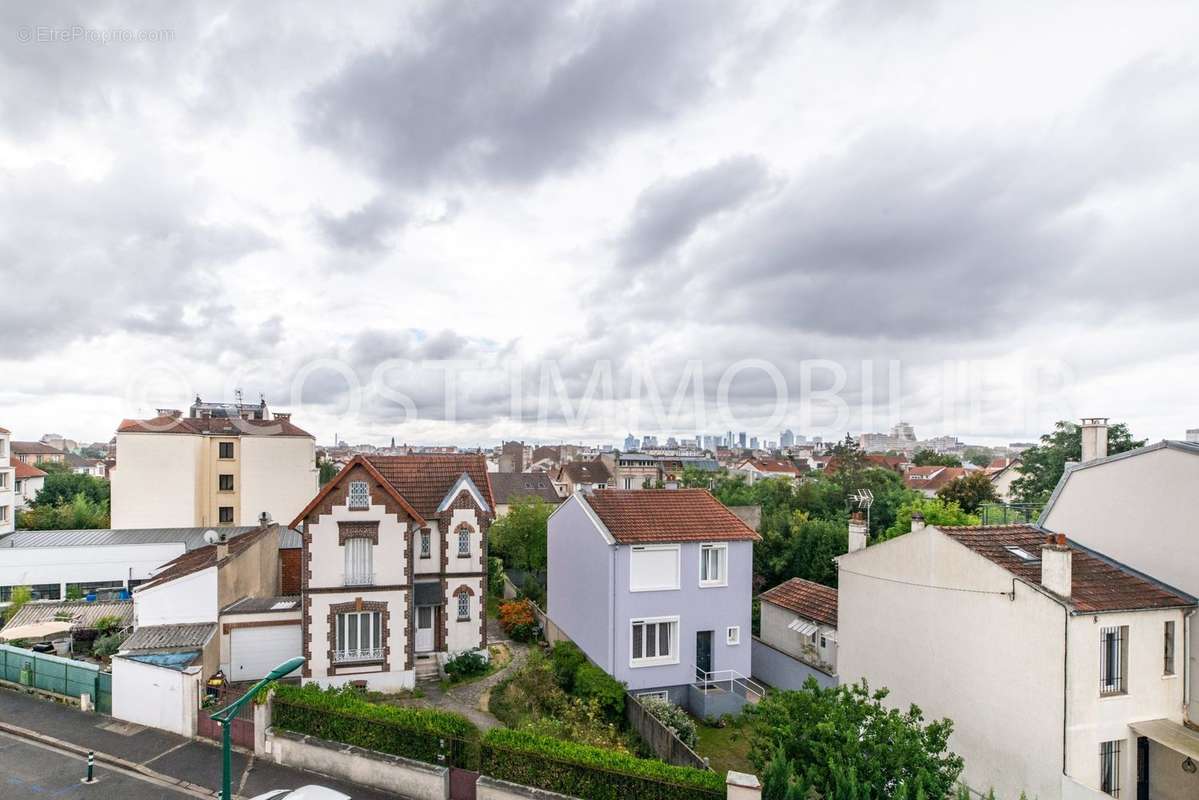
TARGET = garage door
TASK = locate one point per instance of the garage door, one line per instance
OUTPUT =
(254, 652)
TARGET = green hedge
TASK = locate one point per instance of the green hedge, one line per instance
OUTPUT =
(341, 715)
(592, 683)
(590, 772)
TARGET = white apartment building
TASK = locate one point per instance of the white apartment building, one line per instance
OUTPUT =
(1061, 668)
(208, 470)
(8, 503)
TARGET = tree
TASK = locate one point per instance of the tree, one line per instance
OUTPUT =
(978, 457)
(327, 470)
(936, 512)
(80, 513)
(63, 486)
(519, 537)
(843, 741)
(931, 458)
(969, 492)
(20, 596)
(1041, 467)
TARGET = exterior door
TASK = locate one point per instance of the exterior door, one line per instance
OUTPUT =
(1142, 768)
(424, 629)
(703, 652)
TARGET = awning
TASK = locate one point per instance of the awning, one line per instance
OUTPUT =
(802, 627)
(34, 630)
(1173, 735)
(427, 594)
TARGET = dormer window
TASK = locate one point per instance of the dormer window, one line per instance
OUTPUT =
(360, 496)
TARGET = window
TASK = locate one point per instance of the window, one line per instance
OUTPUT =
(426, 544)
(664, 696)
(3, 513)
(1109, 767)
(1113, 660)
(655, 641)
(464, 541)
(733, 635)
(463, 606)
(4, 481)
(225, 483)
(628, 483)
(41, 591)
(359, 637)
(653, 568)
(225, 450)
(1020, 553)
(360, 496)
(1168, 667)
(359, 557)
(225, 515)
(712, 558)
(78, 591)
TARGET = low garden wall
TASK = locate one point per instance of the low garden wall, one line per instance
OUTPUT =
(492, 789)
(661, 739)
(402, 776)
(782, 671)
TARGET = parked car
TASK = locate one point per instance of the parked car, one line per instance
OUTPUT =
(303, 793)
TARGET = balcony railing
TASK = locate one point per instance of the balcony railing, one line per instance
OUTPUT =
(730, 680)
(364, 654)
(358, 579)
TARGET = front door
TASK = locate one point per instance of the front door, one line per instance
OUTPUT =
(1142, 768)
(424, 629)
(703, 654)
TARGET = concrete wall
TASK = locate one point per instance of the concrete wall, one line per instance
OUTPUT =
(783, 671)
(401, 776)
(492, 789)
(698, 608)
(1138, 510)
(1167, 779)
(279, 476)
(190, 598)
(254, 572)
(156, 696)
(965, 651)
(157, 481)
(579, 581)
(62, 565)
(774, 622)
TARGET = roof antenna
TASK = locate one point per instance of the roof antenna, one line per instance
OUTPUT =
(864, 499)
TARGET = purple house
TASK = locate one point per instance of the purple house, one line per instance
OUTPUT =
(655, 586)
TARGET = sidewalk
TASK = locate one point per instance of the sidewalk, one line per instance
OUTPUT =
(192, 763)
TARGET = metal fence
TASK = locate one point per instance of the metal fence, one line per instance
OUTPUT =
(1010, 513)
(53, 674)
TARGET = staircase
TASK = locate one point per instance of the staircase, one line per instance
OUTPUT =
(426, 668)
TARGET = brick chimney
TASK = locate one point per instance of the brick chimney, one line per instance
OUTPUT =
(1094, 438)
(859, 532)
(173, 413)
(1057, 570)
(917, 522)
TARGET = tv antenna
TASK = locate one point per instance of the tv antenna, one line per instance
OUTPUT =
(864, 498)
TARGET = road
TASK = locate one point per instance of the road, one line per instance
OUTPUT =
(40, 744)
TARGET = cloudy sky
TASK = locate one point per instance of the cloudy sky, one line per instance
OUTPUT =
(465, 221)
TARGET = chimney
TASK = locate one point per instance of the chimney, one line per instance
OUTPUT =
(858, 532)
(173, 413)
(917, 522)
(284, 416)
(1193, 435)
(1057, 571)
(222, 550)
(1094, 438)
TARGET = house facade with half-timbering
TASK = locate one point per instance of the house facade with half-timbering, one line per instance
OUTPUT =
(394, 568)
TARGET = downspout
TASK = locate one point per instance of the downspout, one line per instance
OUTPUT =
(1065, 680)
(1186, 658)
(612, 594)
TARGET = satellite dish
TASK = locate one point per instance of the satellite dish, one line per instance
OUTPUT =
(212, 537)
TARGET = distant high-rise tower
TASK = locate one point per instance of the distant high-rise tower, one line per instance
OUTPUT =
(630, 443)
(787, 438)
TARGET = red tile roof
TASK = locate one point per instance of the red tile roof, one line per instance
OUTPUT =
(667, 515)
(774, 465)
(424, 479)
(809, 600)
(586, 472)
(1099, 584)
(204, 557)
(35, 448)
(213, 426)
(509, 486)
(23, 470)
(932, 478)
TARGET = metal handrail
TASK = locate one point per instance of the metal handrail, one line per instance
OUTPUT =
(361, 654)
(734, 678)
(353, 579)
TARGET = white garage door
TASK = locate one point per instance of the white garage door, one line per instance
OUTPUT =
(254, 652)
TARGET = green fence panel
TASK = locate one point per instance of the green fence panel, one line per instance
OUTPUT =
(50, 673)
(104, 692)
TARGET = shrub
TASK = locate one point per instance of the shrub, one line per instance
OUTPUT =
(596, 773)
(566, 658)
(495, 576)
(592, 683)
(106, 646)
(517, 620)
(341, 715)
(107, 625)
(672, 717)
(466, 665)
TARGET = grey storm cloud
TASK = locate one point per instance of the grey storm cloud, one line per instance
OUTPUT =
(366, 229)
(668, 212)
(512, 92)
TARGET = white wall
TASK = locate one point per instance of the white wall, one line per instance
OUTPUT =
(318, 662)
(156, 481)
(156, 696)
(992, 665)
(278, 475)
(462, 636)
(35, 565)
(191, 598)
(389, 557)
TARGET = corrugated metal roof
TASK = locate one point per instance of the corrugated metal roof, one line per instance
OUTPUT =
(81, 613)
(190, 538)
(163, 637)
(290, 539)
(259, 605)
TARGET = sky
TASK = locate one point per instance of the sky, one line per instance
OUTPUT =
(465, 222)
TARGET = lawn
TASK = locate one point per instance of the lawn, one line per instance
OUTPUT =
(725, 748)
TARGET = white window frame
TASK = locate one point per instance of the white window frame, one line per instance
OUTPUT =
(721, 548)
(464, 531)
(655, 661)
(678, 568)
(353, 575)
(343, 654)
(463, 600)
(732, 636)
(365, 489)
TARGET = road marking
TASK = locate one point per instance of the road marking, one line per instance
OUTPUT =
(166, 752)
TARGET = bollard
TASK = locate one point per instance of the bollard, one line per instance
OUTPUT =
(91, 765)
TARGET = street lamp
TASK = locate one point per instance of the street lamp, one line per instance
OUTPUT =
(225, 717)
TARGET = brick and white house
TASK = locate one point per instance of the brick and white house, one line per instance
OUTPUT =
(394, 568)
